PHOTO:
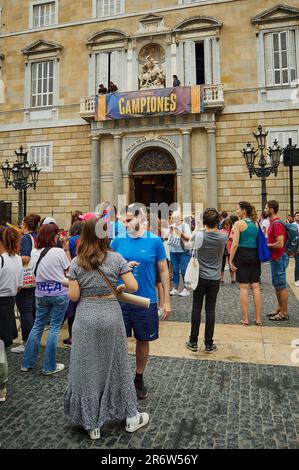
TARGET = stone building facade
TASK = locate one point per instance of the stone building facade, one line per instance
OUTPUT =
(55, 53)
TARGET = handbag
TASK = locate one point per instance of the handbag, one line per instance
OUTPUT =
(192, 272)
(28, 271)
(186, 245)
(264, 253)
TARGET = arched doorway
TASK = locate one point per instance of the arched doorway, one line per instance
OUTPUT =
(153, 177)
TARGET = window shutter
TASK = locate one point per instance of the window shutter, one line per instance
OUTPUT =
(116, 68)
(168, 67)
(102, 70)
(292, 56)
(208, 61)
(189, 63)
(269, 59)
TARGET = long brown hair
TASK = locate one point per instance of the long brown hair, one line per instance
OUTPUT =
(250, 210)
(94, 245)
(10, 239)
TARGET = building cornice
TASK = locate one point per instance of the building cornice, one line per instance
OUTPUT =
(117, 17)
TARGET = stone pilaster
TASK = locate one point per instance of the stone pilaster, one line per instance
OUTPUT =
(95, 173)
(117, 167)
(212, 168)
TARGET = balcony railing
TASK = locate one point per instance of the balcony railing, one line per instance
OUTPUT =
(213, 100)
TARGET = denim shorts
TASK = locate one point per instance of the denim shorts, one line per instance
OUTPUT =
(278, 271)
(143, 321)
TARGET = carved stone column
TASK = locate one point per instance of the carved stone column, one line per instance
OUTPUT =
(117, 168)
(187, 167)
(212, 168)
(95, 173)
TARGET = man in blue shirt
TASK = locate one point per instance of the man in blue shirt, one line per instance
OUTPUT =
(145, 253)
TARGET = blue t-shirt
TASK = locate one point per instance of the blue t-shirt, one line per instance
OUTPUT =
(146, 250)
(73, 245)
(26, 244)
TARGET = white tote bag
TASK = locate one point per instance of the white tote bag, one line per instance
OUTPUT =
(192, 272)
(28, 271)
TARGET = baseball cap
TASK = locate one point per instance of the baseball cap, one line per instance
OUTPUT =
(87, 216)
(49, 220)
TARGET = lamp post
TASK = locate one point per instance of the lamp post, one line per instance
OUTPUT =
(262, 170)
(21, 176)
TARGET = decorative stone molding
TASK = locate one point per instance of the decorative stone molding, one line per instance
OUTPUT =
(145, 144)
(279, 13)
(42, 48)
(107, 37)
(198, 24)
(151, 23)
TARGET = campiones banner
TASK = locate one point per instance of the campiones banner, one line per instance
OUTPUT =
(155, 102)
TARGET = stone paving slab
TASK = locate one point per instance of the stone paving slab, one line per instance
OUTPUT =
(236, 343)
(228, 308)
(192, 404)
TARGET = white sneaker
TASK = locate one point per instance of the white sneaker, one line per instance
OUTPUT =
(138, 421)
(59, 367)
(297, 283)
(94, 433)
(3, 393)
(18, 349)
(26, 369)
(174, 292)
(184, 293)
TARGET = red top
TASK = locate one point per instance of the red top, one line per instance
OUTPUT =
(274, 231)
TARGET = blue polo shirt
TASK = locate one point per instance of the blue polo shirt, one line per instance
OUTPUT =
(146, 250)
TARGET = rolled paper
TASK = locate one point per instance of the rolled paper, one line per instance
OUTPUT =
(134, 299)
(123, 297)
(65, 282)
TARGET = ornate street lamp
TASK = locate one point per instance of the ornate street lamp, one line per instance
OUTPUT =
(21, 176)
(262, 170)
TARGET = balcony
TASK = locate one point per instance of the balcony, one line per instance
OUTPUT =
(213, 101)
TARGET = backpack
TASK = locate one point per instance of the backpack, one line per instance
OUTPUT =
(291, 246)
(264, 253)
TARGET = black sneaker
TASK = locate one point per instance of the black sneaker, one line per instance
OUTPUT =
(191, 346)
(211, 349)
(141, 390)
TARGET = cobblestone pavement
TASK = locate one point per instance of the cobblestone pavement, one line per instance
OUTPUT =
(192, 404)
(228, 308)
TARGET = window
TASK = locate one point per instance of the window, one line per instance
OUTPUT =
(201, 62)
(42, 84)
(109, 7)
(108, 68)
(42, 155)
(280, 58)
(43, 14)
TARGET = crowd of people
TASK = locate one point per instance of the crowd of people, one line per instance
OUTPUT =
(52, 276)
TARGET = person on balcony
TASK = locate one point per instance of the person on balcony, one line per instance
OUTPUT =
(102, 90)
(176, 81)
(112, 88)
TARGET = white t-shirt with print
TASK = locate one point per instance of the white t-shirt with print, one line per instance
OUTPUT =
(50, 272)
(174, 241)
(11, 275)
(266, 225)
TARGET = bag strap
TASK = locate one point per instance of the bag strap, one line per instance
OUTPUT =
(2, 261)
(42, 255)
(107, 282)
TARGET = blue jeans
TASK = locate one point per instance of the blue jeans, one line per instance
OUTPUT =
(179, 262)
(278, 271)
(47, 309)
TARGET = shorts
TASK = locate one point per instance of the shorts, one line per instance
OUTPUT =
(278, 271)
(248, 266)
(143, 321)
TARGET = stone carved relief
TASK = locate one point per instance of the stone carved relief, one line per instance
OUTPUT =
(153, 160)
(151, 64)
